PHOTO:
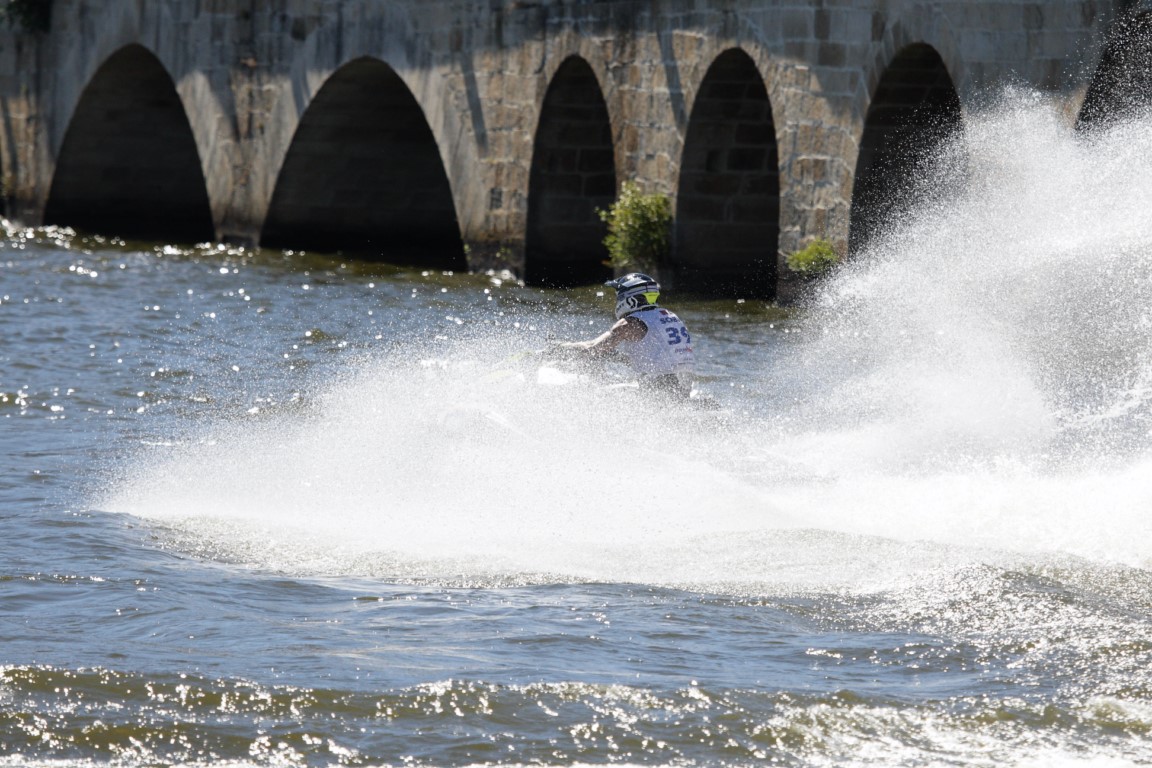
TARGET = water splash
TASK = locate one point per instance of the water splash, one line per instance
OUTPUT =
(1012, 307)
(416, 468)
(978, 380)
(981, 370)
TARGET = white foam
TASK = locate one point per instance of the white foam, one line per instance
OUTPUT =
(978, 379)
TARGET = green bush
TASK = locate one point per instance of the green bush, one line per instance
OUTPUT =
(32, 15)
(639, 229)
(813, 260)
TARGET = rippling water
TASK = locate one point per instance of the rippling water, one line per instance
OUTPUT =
(274, 509)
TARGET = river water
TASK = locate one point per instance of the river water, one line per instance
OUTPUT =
(275, 509)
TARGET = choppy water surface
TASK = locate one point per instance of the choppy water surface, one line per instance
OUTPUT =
(273, 509)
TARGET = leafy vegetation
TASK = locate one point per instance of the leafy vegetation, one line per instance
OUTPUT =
(815, 259)
(639, 229)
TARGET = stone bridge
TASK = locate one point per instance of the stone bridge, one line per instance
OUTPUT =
(486, 133)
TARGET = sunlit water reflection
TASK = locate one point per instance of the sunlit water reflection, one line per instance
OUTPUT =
(268, 508)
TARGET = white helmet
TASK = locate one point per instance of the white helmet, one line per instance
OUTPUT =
(634, 291)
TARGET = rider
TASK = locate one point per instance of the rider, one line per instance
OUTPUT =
(653, 340)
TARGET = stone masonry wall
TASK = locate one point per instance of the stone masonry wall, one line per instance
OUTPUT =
(246, 70)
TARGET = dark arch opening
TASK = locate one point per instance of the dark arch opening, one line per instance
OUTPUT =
(128, 165)
(363, 175)
(573, 174)
(914, 110)
(728, 202)
(1122, 84)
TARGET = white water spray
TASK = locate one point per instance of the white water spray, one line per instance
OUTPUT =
(978, 381)
(982, 371)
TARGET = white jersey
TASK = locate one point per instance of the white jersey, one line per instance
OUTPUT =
(665, 349)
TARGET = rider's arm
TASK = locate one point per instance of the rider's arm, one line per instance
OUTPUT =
(625, 329)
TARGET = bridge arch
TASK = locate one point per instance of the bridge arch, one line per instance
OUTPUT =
(1122, 84)
(128, 164)
(363, 174)
(728, 198)
(573, 174)
(914, 108)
